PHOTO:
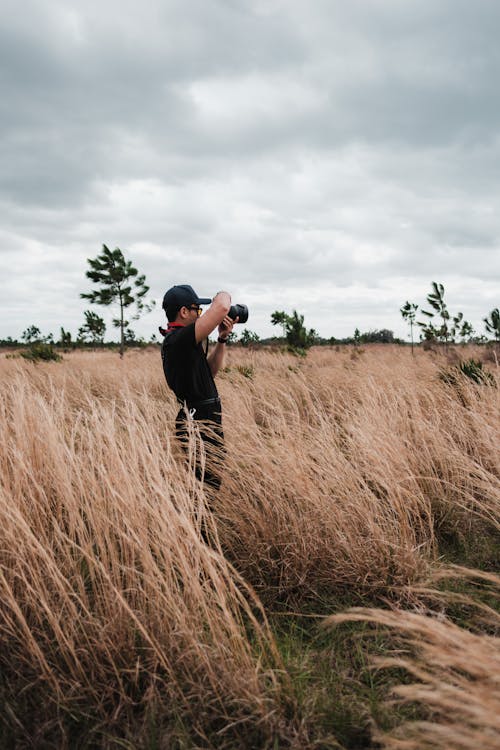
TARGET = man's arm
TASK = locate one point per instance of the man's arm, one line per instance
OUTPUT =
(216, 357)
(213, 317)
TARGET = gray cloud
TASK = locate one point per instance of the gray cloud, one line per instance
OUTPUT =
(332, 156)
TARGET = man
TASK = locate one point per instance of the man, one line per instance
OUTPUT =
(190, 372)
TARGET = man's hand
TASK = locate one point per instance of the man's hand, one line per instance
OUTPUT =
(226, 327)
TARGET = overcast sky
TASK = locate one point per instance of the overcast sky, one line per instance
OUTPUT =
(329, 156)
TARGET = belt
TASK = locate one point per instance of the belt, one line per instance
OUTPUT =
(205, 402)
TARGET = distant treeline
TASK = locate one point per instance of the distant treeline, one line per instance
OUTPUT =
(246, 338)
(382, 336)
(119, 283)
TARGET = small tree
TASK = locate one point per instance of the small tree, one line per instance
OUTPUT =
(93, 329)
(298, 338)
(279, 317)
(461, 328)
(129, 334)
(492, 324)
(466, 331)
(436, 301)
(121, 284)
(65, 337)
(31, 334)
(409, 312)
(248, 338)
(456, 325)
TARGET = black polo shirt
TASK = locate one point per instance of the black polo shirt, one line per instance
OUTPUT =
(185, 366)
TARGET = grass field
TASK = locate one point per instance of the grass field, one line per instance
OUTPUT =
(349, 597)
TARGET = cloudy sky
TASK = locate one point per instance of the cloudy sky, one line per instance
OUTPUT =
(324, 155)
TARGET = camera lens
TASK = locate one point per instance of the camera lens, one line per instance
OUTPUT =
(240, 312)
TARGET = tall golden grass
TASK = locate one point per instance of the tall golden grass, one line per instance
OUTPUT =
(455, 673)
(343, 472)
(111, 603)
(344, 468)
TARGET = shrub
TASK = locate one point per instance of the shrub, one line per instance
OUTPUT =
(297, 351)
(246, 370)
(472, 369)
(41, 352)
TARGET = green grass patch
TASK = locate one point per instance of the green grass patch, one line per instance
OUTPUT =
(339, 695)
(478, 549)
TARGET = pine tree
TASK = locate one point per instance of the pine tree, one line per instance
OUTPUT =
(296, 334)
(93, 329)
(493, 324)
(120, 284)
(436, 301)
(31, 334)
(409, 312)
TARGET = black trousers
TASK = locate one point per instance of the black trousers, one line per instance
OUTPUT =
(204, 427)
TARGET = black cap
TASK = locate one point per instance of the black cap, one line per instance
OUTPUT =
(183, 295)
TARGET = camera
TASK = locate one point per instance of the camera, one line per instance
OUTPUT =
(240, 312)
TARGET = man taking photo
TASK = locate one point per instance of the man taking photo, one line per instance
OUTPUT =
(190, 372)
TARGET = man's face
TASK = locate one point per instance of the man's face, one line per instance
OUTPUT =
(188, 314)
(194, 311)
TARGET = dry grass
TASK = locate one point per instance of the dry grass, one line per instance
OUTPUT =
(111, 603)
(346, 467)
(455, 674)
(344, 473)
